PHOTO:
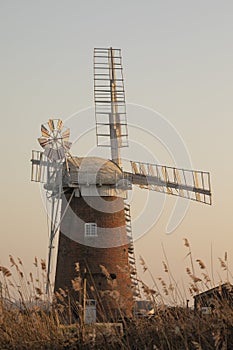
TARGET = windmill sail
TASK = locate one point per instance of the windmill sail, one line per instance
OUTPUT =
(110, 110)
(191, 184)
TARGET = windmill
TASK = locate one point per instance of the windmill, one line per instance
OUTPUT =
(94, 225)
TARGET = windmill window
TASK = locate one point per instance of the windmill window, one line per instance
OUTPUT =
(90, 229)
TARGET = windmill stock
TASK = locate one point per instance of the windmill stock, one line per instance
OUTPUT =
(88, 196)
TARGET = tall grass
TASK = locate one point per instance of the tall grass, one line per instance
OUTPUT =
(28, 320)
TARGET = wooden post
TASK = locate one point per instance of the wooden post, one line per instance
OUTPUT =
(84, 295)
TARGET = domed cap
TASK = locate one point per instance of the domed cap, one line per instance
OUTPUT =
(94, 170)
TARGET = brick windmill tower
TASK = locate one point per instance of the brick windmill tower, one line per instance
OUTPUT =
(94, 224)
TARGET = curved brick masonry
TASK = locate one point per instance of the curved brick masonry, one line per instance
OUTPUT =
(110, 285)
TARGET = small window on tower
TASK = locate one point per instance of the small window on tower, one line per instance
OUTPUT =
(90, 229)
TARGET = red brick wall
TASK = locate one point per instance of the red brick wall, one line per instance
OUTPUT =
(109, 248)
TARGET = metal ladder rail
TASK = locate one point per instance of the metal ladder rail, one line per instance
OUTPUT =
(131, 254)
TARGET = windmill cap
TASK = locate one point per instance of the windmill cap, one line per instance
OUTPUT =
(95, 170)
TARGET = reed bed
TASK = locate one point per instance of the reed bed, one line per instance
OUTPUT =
(29, 320)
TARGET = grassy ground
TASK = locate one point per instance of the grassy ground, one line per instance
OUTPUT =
(174, 329)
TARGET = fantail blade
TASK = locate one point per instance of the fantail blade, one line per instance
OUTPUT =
(45, 131)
